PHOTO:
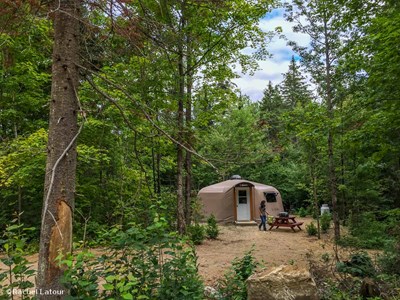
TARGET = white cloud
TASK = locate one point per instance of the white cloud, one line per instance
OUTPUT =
(272, 68)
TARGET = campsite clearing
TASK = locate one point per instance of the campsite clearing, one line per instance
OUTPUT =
(272, 247)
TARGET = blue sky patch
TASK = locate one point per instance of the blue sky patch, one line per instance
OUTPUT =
(275, 13)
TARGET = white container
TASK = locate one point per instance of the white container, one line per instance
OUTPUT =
(324, 209)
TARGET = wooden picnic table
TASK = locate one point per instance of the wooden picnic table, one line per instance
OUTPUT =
(285, 222)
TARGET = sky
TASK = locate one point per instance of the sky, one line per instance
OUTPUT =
(271, 69)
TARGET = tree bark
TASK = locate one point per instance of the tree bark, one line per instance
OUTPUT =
(189, 136)
(314, 188)
(180, 153)
(331, 158)
(59, 193)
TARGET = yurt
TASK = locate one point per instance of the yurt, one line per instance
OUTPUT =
(237, 200)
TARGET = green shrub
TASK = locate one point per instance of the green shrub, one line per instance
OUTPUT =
(233, 285)
(81, 275)
(311, 229)
(17, 272)
(325, 222)
(372, 230)
(302, 212)
(360, 265)
(389, 261)
(196, 233)
(180, 278)
(345, 282)
(148, 263)
(212, 229)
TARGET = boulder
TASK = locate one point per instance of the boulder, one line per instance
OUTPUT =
(282, 283)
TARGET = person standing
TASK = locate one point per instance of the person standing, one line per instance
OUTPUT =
(263, 215)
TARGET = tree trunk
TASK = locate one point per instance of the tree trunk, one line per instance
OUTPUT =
(59, 193)
(180, 153)
(331, 158)
(189, 137)
(314, 189)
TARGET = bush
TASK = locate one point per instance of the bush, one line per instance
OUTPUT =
(17, 272)
(196, 234)
(389, 261)
(233, 285)
(356, 278)
(372, 230)
(359, 265)
(212, 227)
(180, 279)
(311, 229)
(145, 263)
(325, 222)
(302, 212)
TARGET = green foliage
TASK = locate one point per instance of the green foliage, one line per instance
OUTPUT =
(231, 148)
(141, 264)
(372, 230)
(389, 260)
(180, 279)
(325, 222)
(359, 264)
(293, 87)
(347, 279)
(302, 212)
(81, 275)
(233, 285)
(18, 270)
(22, 169)
(332, 292)
(311, 229)
(196, 233)
(212, 229)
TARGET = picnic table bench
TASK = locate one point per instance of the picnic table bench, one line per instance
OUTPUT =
(285, 222)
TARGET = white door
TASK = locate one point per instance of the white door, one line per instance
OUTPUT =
(243, 203)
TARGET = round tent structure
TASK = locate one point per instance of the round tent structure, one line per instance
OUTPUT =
(238, 200)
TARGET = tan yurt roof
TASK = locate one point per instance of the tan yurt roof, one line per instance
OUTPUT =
(224, 186)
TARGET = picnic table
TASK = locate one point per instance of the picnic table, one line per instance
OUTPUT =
(289, 221)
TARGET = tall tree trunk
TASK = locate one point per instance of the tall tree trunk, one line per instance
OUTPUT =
(331, 158)
(189, 136)
(313, 176)
(158, 163)
(180, 153)
(58, 206)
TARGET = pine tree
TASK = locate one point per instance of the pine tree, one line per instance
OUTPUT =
(294, 88)
(59, 196)
(271, 107)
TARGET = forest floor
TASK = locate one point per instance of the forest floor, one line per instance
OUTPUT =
(271, 248)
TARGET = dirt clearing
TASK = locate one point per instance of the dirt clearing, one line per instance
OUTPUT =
(274, 248)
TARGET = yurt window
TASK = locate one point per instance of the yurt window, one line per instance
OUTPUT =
(270, 197)
(242, 197)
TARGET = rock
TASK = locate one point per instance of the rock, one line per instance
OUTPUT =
(282, 283)
(210, 292)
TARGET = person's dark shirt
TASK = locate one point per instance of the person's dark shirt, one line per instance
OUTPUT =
(263, 210)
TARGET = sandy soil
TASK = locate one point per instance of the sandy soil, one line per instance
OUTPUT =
(273, 248)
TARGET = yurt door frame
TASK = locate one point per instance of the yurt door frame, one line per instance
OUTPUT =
(243, 203)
